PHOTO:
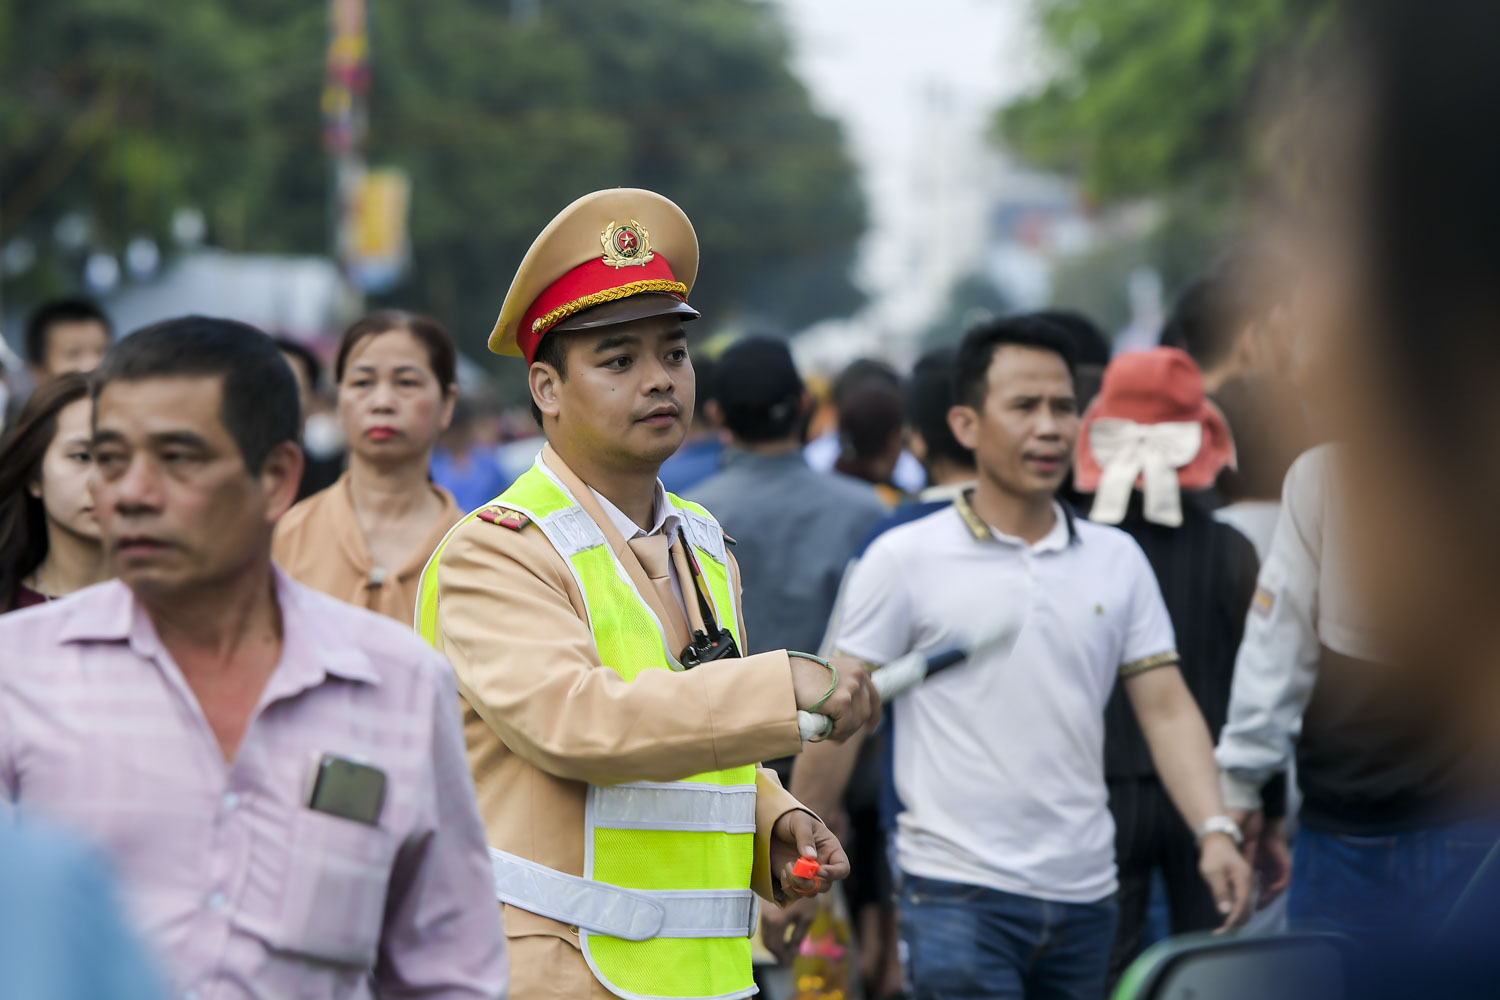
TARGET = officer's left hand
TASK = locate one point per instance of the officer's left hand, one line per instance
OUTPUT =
(799, 834)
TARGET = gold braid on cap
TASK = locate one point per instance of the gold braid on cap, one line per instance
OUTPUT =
(567, 309)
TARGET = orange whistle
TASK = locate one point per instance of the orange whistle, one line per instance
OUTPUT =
(805, 868)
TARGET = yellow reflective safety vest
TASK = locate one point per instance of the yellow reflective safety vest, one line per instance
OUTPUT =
(664, 908)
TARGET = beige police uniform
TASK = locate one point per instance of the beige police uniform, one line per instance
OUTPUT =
(543, 717)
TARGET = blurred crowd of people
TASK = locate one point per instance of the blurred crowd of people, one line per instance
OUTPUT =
(1203, 452)
(1224, 602)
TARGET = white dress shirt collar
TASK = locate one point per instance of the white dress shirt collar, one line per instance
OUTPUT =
(664, 516)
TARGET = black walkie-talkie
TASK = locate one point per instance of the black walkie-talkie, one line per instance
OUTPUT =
(704, 649)
(712, 642)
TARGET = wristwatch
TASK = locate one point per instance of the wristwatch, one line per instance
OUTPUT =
(1220, 824)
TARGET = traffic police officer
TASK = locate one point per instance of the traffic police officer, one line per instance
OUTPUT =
(593, 622)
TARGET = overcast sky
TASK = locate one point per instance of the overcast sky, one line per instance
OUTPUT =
(915, 83)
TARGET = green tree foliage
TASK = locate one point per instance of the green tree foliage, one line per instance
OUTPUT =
(1157, 96)
(125, 110)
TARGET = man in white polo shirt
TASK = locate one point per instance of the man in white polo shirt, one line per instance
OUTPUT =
(1006, 842)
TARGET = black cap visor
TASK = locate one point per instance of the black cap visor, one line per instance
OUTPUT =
(627, 310)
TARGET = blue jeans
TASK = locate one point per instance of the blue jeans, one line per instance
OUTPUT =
(966, 941)
(1376, 886)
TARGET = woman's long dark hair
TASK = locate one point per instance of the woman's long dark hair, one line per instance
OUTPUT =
(23, 518)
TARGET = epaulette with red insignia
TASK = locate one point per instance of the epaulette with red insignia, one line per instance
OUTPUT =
(728, 540)
(503, 516)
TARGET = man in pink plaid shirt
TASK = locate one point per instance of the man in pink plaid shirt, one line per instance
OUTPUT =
(278, 778)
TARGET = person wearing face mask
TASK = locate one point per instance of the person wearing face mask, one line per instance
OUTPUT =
(49, 540)
(323, 466)
(366, 538)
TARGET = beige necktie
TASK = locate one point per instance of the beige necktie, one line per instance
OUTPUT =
(655, 559)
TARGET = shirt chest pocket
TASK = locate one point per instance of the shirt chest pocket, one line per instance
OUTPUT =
(330, 904)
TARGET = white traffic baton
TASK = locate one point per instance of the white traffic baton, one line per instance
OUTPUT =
(906, 672)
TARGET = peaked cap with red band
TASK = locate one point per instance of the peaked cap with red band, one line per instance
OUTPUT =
(627, 249)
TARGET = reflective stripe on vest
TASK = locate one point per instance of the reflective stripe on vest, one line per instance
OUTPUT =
(676, 805)
(621, 913)
(664, 909)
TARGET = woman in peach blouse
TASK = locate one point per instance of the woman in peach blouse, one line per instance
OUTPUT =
(366, 538)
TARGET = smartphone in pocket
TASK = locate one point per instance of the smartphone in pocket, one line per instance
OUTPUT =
(347, 788)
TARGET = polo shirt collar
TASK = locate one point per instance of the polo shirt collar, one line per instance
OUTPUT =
(109, 612)
(1063, 534)
(946, 494)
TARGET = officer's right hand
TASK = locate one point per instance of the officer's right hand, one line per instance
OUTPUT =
(853, 703)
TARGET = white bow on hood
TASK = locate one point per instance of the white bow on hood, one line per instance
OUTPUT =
(1126, 452)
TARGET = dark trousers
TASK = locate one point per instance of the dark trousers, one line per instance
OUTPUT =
(1151, 837)
(967, 942)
